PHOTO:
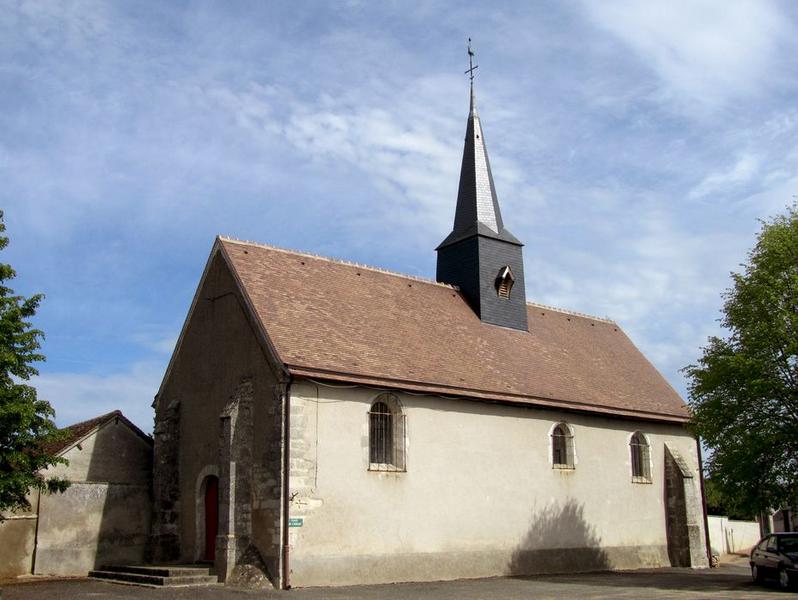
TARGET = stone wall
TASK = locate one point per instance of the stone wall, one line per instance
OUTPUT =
(164, 544)
(229, 424)
(684, 510)
(235, 480)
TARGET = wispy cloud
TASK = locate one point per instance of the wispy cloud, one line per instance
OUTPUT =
(705, 52)
(156, 341)
(741, 172)
(79, 396)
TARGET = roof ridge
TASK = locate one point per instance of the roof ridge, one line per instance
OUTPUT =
(350, 263)
(98, 419)
(72, 434)
(339, 261)
(570, 312)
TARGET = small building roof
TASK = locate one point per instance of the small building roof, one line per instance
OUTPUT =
(339, 321)
(73, 434)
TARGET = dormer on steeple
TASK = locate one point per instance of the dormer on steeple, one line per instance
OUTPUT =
(480, 256)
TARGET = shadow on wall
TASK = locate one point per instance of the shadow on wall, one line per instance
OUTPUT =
(120, 469)
(558, 540)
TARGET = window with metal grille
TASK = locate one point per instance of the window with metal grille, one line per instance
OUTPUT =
(504, 282)
(641, 463)
(386, 435)
(562, 447)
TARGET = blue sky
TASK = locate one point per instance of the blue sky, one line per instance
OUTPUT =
(634, 145)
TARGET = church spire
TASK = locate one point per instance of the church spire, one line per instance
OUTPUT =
(478, 209)
(480, 256)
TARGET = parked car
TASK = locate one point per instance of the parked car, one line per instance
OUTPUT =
(776, 555)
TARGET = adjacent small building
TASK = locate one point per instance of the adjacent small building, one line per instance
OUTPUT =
(328, 423)
(104, 515)
(784, 519)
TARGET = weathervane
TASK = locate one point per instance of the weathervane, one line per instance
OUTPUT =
(471, 66)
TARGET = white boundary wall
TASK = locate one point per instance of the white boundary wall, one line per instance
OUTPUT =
(727, 536)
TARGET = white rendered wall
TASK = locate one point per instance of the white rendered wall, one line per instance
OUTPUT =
(727, 536)
(479, 497)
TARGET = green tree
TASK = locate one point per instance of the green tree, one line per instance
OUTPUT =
(744, 389)
(717, 504)
(26, 425)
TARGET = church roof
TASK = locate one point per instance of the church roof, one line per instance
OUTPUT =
(338, 321)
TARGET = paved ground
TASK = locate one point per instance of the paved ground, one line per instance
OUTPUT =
(729, 581)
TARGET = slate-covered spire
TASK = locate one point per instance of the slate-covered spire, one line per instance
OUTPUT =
(480, 255)
(478, 209)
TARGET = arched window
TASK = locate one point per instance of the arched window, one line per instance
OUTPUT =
(562, 447)
(641, 463)
(386, 435)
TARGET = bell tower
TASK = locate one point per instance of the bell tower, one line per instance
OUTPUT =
(480, 255)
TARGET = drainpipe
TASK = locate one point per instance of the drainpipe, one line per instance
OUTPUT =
(286, 446)
(703, 499)
(36, 533)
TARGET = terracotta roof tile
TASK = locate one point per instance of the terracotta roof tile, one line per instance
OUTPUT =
(342, 321)
(76, 432)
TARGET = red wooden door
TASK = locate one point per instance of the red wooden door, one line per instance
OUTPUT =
(211, 516)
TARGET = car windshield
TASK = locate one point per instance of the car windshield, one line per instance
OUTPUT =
(788, 543)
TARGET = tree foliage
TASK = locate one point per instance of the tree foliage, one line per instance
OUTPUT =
(26, 425)
(744, 389)
(717, 504)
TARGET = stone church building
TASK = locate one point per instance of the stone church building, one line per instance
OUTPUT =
(327, 423)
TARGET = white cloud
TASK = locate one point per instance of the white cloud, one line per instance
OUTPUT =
(746, 167)
(156, 341)
(756, 176)
(404, 151)
(651, 272)
(705, 52)
(773, 200)
(80, 396)
(646, 265)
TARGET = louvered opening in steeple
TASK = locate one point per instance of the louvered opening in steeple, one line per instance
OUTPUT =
(504, 282)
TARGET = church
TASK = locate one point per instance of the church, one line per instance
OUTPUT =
(327, 423)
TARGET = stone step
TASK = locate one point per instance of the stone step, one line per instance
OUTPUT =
(154, 580)
(159, 570)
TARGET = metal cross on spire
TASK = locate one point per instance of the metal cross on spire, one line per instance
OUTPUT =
(471, 66)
